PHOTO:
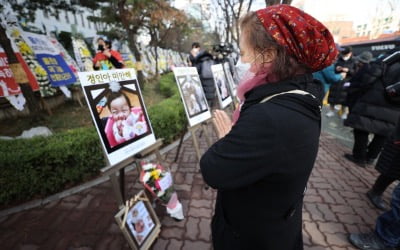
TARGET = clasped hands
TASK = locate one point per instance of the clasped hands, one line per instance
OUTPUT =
(222, 123)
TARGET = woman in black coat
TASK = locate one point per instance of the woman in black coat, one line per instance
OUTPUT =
(388, 166)
(261, 164)
(372, 113)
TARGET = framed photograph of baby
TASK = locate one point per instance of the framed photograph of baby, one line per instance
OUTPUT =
(193, 97)
(118, 112)
(138, 222)
(221, 85)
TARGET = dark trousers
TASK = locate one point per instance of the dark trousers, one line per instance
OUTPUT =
(362, 150)
(381, 183)
(388, 224)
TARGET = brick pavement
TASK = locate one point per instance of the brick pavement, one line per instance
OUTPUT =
(335, 204)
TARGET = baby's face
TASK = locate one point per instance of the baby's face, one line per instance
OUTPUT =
(119, 108)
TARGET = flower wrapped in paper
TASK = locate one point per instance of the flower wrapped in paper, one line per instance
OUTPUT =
(158, 182)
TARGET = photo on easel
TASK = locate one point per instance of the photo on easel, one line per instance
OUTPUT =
(193, 97)
(138, 222)
(229, 78)
(221, 85)
(118, 111)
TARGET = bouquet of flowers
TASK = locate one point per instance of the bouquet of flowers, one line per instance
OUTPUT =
(158, 182)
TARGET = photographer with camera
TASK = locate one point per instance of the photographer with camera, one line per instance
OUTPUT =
(106, 58)
(202, 60)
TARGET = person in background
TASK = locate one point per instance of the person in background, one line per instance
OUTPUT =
(361, 80)
(373, 114)
(346, 63)
(388, 166)
(106, 58)
(261, 163)
(202, 60)
(193, 53)
(387, 229)
(328, 77)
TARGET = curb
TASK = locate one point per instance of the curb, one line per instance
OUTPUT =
(84, 186)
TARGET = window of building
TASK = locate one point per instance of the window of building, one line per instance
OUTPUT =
(90, 26)
(75, 19)
(45, 13)
(83, 20)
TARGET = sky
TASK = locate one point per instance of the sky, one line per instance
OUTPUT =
(358, 11)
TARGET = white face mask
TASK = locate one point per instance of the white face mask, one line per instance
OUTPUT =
(346, 58)
(242, 68)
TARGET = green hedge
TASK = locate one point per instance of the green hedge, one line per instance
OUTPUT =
(44, 165)
(37, 167)
(168, 117)
(168, 86)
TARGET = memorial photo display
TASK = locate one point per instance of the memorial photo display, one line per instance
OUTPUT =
(193, 97)
(118, 110)
(221, 86)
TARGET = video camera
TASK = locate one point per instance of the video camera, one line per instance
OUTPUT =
(223, 49)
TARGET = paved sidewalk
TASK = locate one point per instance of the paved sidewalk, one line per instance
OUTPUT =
(335, 205)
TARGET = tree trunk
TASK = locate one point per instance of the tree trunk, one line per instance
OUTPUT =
(136, 54)
(156, 55)
(31, 100)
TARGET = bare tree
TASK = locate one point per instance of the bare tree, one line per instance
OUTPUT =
(273, 2)
(232, 11)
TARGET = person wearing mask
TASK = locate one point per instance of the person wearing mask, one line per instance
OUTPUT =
(106, 58)
(202, 60)
(193, 53)
(261, 163)
(346, 63)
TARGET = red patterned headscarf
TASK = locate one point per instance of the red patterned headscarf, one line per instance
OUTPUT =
(303, 37)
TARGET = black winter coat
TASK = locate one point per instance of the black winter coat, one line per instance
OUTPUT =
(203, 62)
(261, 167)
(389, 160)
(338, 93)
(372, 112)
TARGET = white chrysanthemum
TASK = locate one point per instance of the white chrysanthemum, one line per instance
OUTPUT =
(148, 166)
(115, 86)
(146, 177)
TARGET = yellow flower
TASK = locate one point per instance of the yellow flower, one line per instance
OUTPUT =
(25, 49)
(155, 174)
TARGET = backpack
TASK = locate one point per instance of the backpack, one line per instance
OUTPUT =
(391, 78)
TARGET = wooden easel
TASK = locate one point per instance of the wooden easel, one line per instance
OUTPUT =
(119, 184)
(203, 129)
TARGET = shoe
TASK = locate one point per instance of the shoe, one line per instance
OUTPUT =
(330, 113)
(376, 200)
(351, 158)
(369, 241)
(343, 116)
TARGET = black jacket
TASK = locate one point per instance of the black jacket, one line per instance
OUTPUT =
(203, 62)
(261, 168)
(372, 112)
(389, 160)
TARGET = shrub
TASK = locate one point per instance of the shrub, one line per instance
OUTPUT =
(44, 165)
(37, 167)
(168, 85)
(168, 118)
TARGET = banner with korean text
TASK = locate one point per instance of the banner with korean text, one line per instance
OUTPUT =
(50, 59)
